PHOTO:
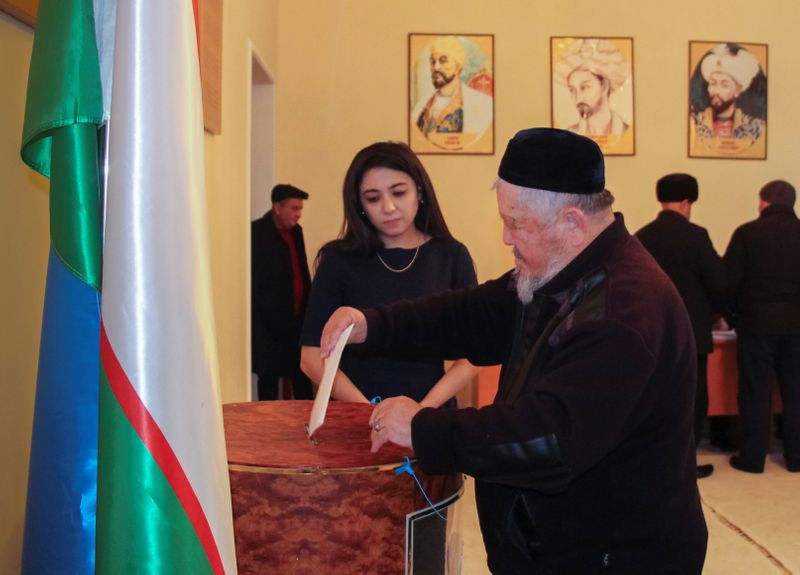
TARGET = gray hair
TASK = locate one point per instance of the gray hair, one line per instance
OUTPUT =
(548, 205)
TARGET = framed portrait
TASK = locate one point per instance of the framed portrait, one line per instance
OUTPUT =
(451, 93)
(591, 90)
(23, 10)
(727, 100)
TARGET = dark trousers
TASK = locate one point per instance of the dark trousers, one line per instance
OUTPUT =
(268, 382)
(701, 397)
(762, 358)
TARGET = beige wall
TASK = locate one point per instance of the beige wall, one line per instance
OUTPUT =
(247, 25)
(24, 245)
(343, 86)
(340, 74)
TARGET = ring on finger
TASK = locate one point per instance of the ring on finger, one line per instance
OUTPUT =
(377, 425)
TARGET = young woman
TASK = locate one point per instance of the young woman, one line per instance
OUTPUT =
(394, 244)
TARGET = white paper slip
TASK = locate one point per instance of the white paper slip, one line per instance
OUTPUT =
(320, 406)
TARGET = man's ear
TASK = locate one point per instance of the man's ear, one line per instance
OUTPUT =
(575, 224)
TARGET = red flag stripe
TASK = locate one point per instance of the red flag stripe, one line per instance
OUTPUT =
(159, 448)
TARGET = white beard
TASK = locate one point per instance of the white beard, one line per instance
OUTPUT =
(527, 284)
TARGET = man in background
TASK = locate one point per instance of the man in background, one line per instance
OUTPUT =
(685, 253)
(763, 264)
(280, 284)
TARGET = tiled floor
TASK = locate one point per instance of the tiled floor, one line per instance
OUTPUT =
(753, 520)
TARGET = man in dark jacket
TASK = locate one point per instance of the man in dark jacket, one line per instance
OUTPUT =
(585, 459)
(763, 264)
(685, 253)
(280, 284)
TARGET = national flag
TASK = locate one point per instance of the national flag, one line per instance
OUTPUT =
(63, 113)
(163, 494)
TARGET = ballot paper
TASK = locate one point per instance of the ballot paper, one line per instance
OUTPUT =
(320, 406)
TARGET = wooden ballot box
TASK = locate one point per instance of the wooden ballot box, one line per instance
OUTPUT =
(332, 507)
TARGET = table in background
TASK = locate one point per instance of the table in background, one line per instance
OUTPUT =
(723, 379)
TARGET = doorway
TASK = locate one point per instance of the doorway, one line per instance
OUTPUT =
(262, 150)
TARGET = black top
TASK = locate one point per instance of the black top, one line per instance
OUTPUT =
(343, 280)
(763, 263)
(586, 458)
(685, 252)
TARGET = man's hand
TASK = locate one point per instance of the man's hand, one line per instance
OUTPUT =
(391, 421)
(337, 323)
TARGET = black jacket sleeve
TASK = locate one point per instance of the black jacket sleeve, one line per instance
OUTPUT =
(575, 415)
(471, 323)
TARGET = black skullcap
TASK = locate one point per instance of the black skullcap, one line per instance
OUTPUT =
(676, 188)
(553, 160)
(283, 191)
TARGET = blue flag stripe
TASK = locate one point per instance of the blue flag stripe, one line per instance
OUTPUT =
(60, 529)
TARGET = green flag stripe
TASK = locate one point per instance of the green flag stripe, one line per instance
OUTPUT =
(147, 530)
(74, 203)
(62, 113)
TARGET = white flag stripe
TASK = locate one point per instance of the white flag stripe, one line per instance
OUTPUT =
(156, 281)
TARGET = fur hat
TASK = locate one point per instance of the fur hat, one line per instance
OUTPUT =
(676, 188)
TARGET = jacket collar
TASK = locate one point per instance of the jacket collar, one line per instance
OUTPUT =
(672, 215)
(775, 209)
(592, 257)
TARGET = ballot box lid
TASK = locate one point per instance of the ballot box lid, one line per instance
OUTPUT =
(270, 436)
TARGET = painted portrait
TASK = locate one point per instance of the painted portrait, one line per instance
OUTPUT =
(451, 93)
(592, 90)
(727, 100)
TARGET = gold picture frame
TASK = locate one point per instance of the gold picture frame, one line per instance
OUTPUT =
(591, 81)
(727, 100)
(23, 10)
(451, 93)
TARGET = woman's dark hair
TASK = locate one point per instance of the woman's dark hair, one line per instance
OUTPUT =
(357, 235)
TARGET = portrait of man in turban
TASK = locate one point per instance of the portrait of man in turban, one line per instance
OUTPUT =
(451, 94)
(593, 90)
(727, 100)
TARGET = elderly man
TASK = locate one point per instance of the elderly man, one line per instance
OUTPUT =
(592, 69)
(764, 278)
(585, 459)
(454, 107)
(685, 253)
(729, 70)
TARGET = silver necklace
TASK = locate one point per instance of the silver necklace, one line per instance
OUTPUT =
(411, 263)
